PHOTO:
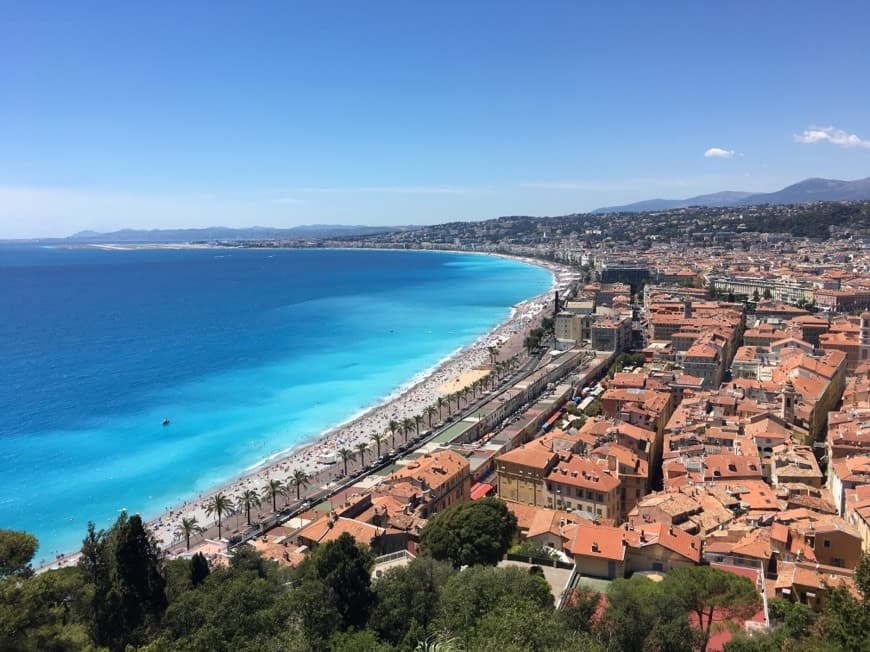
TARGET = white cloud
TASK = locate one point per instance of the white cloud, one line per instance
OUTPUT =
(831, 135)
(718, 152)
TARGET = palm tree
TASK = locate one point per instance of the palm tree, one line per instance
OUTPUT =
(418, 421)
(362, 448)
(272, 490)
(440, 404)
(249, 499)
(465, 392)
(219, 504)
(378, 438)
(299, 479)
(493, 354)
(430, 411)
(187, 528)
(346, 454)
(394, 427)
(407, 424)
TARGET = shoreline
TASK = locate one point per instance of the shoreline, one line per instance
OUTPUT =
(408, 399)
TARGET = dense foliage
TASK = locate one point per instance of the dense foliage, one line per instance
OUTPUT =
(843, 623)
(467, 534)
(124, 596)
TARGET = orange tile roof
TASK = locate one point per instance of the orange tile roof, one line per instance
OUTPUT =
(585, 473)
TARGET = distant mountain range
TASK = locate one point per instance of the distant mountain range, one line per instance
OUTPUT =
(803, 191)
(220, 233)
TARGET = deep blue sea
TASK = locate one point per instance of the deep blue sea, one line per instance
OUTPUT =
(248, 352)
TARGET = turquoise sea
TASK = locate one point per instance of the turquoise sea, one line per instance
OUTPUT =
(247, 351)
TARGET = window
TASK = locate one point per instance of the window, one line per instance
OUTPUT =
(658, 566)
(826, 543)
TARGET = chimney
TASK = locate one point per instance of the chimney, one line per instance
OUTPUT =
(787, 401)
(595, 547)
(687, 308)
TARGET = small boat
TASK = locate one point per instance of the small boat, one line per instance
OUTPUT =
(165, 421)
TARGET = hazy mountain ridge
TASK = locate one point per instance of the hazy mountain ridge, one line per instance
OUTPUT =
(808, 190)
(217, 233)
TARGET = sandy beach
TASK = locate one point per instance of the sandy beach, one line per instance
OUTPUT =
(461, 368)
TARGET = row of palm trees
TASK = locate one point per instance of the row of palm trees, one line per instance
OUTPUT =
(476, 389)
(406, 425)
(221, 505)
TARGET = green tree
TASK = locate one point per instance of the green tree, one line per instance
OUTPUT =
(394, 427)
(123, 566)
(578, 612)
(523, 626)
(137, 575)
(245, 607)
(355, 641)
(219, 505)
(300, 479)
(431, 411)
(16, 552)
(46, 612)
(530, 343)
(792, 629)
(418, 421)
(493, 354)
(479, 532)
(346, 455)
(334, 589)
(407, 600)
(247, 500)
(708, 591)
(361, 449)
(642, 615)
(593, 409)
(471, 594)
(199, 569)
(378, 438)
(187, 528)
(407, 424)
(272, 490)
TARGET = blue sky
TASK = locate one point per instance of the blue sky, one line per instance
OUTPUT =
(153, 115)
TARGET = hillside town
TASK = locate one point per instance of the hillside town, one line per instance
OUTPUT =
(699, 402)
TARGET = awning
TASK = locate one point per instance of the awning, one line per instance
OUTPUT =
(549, 422)
(481, 490)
